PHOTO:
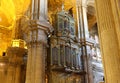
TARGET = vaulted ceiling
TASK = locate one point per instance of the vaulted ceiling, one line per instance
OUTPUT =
(11, 10)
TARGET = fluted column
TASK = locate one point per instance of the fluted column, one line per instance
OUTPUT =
(116, 11)
(38, 9)
(84, 39)
(85, 21)
(109, 39)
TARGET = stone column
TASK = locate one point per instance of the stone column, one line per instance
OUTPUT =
(84, 39)
(37, 43)
(109, 39)
(36, 38)
(38, 9)
(36, 31)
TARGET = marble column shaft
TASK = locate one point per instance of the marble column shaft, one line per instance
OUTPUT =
(108, 32)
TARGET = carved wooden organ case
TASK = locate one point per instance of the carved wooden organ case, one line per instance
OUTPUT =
(64, 51)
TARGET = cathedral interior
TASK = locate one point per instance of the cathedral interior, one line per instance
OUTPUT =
(59, 41)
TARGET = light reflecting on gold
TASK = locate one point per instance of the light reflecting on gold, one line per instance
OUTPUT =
(11, 10)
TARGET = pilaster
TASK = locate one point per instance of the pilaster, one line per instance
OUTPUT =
(115, 6)
(109, 39)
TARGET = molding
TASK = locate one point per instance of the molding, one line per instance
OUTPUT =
(37, 24)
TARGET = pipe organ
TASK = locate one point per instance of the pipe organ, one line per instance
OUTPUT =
(64, 50)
